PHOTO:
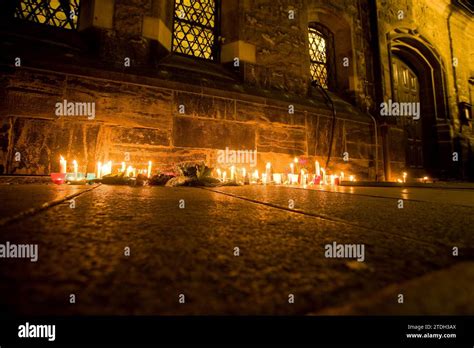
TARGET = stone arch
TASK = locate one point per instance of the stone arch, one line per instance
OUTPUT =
(343, 47)
(417, 52)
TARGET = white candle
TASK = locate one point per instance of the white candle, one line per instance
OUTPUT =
(404, 177)
(123, 167)
(74, 163)
(255, 176)
(219, 174)
(292, 166)
(332, 177)
(342, 176)
(264, 178)
(62, 165)
(294, 179)
(99, 169)
(224, 176)
(303, 178)
(232, 173)
(323, 176)
(129, 170)
(277, 178)
(148, 173)
(267, 172)
(318, 169)
(244, 173)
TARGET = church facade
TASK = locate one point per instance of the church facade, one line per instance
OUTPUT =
(371, 88)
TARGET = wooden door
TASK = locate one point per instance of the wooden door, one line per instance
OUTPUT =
(407, 90)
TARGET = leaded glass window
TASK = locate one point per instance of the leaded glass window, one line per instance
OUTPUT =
(320, 53)
(195, 28)
(57, 13)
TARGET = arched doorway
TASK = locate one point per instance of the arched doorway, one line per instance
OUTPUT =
(418, 75)
(406, 89)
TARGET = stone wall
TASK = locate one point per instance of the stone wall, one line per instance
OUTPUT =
(450, 32)
(146, 122)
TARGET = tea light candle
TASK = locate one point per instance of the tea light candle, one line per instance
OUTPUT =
(277, 179)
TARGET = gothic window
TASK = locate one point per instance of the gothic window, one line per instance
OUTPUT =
(195, 28)
(321, 54)
(57, 13)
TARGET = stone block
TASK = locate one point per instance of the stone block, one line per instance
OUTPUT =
(199, 133)
(281, 140)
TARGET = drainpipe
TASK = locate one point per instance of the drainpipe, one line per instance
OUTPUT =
(376, 145)
(451, 48)
(379, 87)
(329, 101)
(457, 138)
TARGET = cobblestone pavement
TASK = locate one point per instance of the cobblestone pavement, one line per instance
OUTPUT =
(190, 250)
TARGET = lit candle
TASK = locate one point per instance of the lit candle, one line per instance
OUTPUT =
(296, 160)
(129, 170)
(332, 178)
(303, 178)
(318, 169)
(255, 176)
(267, 172)
(351, 178)
(99, 169)
(292, 166)
(244, 173)
(342, 176)
(293, 179)
(123, 167)
(232, 173)
(148, 173)
(74, 163)
(404, 177)
(62, 165)
(219, 174)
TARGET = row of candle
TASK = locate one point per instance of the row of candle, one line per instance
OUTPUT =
(130, 171)
(304, 178)
(106, 169)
